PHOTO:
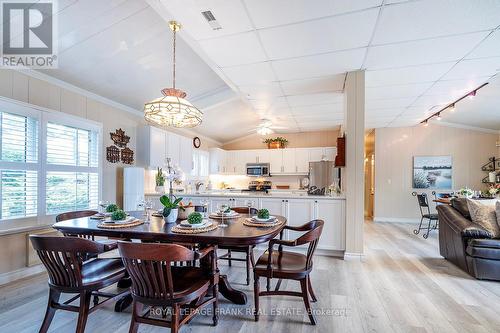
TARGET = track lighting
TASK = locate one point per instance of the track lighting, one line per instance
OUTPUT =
(452, 107)
(472, 94)
(439, 116)
(426, 123)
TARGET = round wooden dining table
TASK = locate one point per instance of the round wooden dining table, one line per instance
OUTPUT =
(235, 234)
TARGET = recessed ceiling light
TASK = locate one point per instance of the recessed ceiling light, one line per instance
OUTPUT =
(212, 21)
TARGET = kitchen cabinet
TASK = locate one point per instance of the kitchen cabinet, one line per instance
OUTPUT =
(217, 160)
(333, 213)
(330, 153)
(276, 162)
(275, 206)
(288, 160)
(173, 148)
(186, 155)
(302, 160)
(316, 154)
(262, 155)
(236, 162)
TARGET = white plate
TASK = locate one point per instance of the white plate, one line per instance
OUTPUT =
(127, 220)
(205, 223)
(269, 220)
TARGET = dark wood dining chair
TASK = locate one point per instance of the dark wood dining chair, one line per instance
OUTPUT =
(68, 272)
(156, 282)
(425, 213)
(247, 250)
(109, 244)
(289, 265)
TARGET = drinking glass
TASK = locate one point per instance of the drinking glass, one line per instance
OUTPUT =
(148, 205)
(249, 204)
(222, 207)
(103, 204)
(204, 203)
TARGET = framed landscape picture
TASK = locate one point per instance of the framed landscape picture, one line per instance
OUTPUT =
(432, 172)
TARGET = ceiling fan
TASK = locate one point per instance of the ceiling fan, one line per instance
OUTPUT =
(266, 127)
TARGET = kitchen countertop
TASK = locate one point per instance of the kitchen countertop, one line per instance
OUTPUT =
(298, 194)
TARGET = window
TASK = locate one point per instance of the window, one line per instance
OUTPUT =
(18, 165)
(49, 163)
(72, 181)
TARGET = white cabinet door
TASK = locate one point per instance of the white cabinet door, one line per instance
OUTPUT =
(332, 212)
(302, 160)
(231, 161)
(330, 153)
(196, 201)
(316, 154)
(157, 148)
(217, 160)
(262, 156)
(289, 161)
(299, 211)
(173, 147)
(186, 155)
(273, 205)
(241, 159)
(276, 161)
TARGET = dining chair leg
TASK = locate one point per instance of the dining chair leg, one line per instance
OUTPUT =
(305, 297)
(229, 257)
(175, 318)
(278, 285)
(50, 312)
(428, 229)
(311, 291)
(417, 231)
(215, 305)
(248, 264)
(256, 291)
(268, 284)
(136, 310)
(83, 312)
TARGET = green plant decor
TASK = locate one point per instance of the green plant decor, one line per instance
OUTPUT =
(195, 218)
(263, 214)
(111, 208)
(282, 141)
(118, 215)
(169, 204)
(159, 177)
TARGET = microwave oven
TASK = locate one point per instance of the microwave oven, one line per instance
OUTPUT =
(258, 169)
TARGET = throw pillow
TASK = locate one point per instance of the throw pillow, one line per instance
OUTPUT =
(485, 216)
(460, 204)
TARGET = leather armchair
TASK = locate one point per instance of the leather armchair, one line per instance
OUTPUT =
(468, 245)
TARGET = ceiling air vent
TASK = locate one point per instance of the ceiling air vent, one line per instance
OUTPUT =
(211, 20)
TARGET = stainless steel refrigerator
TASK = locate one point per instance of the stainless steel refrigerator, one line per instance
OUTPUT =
(322, 174)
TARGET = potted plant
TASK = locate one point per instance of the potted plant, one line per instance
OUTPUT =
(276, 143)
(160, 181)
(171, 208)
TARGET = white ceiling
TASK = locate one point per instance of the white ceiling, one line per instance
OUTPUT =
(282, 54)
(285, 59)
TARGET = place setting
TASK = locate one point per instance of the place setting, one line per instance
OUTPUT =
(262, 219)
(195, 223)
(113, 217)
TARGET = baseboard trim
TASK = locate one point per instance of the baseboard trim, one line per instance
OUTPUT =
(321, 252)
(396, 219)
(20, 274)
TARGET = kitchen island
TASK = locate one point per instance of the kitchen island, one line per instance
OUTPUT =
(297, 206)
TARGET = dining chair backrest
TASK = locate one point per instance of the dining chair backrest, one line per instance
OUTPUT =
(244, 210)
(311, 236)
(63, 257)
(76, 215)
(423, 203)
(150, 267)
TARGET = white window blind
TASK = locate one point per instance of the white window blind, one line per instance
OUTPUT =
(18, 159)
(72, 181)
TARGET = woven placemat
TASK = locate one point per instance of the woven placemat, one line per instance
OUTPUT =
(249, 223)
(118, 226)
(180, 230)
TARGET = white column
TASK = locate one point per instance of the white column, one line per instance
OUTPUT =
(354, 129)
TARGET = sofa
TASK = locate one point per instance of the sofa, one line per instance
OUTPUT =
(466, 244)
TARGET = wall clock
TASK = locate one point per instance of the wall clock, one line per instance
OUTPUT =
(196, 142)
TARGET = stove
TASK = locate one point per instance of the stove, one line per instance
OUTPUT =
(259, 186)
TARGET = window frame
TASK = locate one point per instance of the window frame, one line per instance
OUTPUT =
(43, 116)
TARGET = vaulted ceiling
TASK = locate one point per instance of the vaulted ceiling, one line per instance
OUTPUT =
(284, 60)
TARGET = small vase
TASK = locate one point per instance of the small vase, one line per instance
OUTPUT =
(172, 217)
(160, 189)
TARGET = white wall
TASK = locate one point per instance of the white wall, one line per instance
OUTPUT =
(394, 151)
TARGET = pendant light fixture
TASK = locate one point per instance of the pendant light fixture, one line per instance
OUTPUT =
(172, 109)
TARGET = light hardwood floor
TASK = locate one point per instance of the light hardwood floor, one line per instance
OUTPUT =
(400, 285)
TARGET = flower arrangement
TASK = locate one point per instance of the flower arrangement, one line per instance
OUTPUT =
(465, 192)
(275, 143)
(493, 190)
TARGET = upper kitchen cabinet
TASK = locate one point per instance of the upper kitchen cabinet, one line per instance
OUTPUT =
(261, 155)
(322, 154)
(154, 145)
(302, 160)
(217, 160)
